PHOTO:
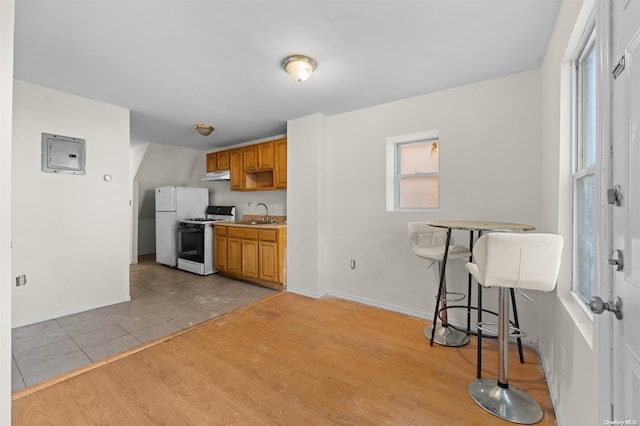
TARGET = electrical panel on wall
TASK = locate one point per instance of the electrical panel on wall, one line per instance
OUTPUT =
(63, 154)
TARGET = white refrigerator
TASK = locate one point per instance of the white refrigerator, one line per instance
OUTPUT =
(174, 203)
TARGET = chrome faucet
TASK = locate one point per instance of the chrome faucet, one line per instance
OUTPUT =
(266, 217)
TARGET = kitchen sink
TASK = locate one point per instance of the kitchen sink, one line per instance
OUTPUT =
(254, 222)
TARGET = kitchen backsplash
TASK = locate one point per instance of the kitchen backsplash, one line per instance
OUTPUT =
(247, 202)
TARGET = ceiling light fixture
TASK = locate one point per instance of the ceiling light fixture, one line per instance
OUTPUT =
(203, 129)
(299, 67)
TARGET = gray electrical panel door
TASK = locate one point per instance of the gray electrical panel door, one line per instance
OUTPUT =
(63, 154)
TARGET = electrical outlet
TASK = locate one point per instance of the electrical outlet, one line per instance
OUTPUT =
(21, 280)
(353, 264)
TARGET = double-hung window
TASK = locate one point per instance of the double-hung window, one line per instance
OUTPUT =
(584, 168)
(413, 171)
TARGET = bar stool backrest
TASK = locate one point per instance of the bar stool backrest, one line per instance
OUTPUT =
(525, 261)
(422, 236)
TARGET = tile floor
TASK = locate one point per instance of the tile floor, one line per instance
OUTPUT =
(163, 300)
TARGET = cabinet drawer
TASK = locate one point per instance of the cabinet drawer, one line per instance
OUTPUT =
(268, 235)
(220, 230)
(250, 233)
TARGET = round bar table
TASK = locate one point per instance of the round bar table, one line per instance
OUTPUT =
(472, 226)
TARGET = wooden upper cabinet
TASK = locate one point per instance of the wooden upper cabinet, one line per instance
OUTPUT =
(211, 162)
(280, 169)
(266, 160)
(257, 167)
(222, 160)
(249, 158)
(235, 166)
(217, 161)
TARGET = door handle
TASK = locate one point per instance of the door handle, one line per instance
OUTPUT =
(598, 306)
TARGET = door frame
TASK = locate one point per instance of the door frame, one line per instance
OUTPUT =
(603, 324)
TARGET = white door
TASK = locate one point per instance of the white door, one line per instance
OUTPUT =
(625, 139)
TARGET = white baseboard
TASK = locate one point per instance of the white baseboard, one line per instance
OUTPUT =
(552, 392)
(69, 312)
(394, 308)
(307, 293)
(385, 306)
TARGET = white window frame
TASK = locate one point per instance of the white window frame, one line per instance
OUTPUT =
(578, 172)
(393, 176)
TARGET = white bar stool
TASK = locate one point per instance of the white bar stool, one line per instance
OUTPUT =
(520, 261)
(429, 243)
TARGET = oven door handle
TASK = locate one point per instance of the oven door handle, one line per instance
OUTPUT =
(188, 229)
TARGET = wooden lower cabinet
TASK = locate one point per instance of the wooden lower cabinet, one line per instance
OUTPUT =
(220, 250)
(249, 255)
(234, 257)
(268, 252)
(252, 253)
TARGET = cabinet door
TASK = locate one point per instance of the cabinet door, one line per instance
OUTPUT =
(234, 256)
(220, 250)
(211, 162)
(237, 175)
(249, 158)
(249, 258)
(222, 162)
(280, 169)
(265, 156)
(268, 252)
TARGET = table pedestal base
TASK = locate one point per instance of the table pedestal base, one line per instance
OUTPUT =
(447, 336)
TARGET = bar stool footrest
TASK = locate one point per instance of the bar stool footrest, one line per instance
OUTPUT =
(460, 297)
(513, 331)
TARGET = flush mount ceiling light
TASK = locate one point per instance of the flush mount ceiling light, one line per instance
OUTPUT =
(203, 129)
(299, 67)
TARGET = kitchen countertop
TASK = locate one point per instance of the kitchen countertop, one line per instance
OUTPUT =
(249, 225)
(280, 221)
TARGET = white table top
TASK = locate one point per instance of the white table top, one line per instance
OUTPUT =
(481, 225)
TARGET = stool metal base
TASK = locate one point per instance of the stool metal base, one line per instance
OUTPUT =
(447, 336)
(510, 404)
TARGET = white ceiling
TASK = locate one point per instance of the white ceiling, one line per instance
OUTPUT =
(174, 63)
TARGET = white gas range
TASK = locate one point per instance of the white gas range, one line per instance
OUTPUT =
(195, 239)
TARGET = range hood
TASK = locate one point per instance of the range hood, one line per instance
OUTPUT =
(223, 175)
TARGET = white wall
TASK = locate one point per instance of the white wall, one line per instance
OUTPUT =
(306, 148)
(136, 154)
(568, 346)
(490, 170)
(70, 232)
(160, 165)
(6, 105)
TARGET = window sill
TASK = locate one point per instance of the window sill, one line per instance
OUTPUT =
(425, 210)
(580, 317)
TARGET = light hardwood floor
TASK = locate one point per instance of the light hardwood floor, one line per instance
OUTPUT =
(286, 360)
